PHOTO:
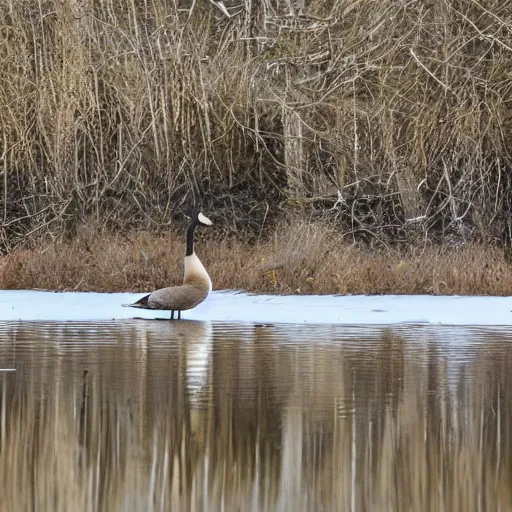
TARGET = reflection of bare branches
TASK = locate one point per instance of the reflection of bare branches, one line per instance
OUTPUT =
(293, 418)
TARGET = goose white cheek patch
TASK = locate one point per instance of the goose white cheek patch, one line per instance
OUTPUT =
(204, 220)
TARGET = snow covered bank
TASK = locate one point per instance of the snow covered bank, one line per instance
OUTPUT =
(241, 307)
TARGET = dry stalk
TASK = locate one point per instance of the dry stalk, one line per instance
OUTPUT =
(130, 111)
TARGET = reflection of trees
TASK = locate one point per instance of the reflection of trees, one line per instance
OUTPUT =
(265, 416)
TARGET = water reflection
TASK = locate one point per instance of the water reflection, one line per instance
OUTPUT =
(156, 415)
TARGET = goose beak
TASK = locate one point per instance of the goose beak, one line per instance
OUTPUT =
(204, 220)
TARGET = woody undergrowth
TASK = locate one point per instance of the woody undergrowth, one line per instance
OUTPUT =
(394, 116)
(395, 112)
(301, 257)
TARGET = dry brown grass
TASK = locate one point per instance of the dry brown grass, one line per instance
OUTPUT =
(398, 110)
(306, 258)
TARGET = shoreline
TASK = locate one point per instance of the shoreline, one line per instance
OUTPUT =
(299, 259)
(262, 311)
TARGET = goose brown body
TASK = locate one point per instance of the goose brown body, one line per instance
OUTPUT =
(196, 281)
(179, 298)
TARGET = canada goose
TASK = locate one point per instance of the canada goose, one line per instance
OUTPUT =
(196, 281)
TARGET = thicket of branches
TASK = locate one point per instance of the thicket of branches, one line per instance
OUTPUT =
(392, 116)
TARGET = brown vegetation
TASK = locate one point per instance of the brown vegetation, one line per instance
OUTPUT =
(307, 258)
(393, 117)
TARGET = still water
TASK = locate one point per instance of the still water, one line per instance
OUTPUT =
(145, 415)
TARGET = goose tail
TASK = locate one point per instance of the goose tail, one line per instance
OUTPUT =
(141, 303)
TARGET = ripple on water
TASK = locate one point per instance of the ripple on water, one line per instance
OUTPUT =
(283, 416)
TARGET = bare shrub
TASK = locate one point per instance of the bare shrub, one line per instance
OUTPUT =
(301, 257)
(395, 112)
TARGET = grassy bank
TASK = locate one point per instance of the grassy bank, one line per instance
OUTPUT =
(306, 258)
(392, 117)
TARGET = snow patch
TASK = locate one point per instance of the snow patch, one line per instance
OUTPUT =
(233, 306)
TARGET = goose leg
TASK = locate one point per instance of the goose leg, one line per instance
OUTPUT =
(179, 314)
(172, 314)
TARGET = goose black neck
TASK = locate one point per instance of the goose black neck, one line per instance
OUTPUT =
(190, 238)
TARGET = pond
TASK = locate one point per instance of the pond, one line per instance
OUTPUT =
(190, 415)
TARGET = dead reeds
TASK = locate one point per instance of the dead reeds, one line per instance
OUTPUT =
(392, 116)
(301, 257)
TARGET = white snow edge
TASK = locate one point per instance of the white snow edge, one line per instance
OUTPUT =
(232, 306)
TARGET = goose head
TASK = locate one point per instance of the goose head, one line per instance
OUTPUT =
(198, 218)
(203, 219)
